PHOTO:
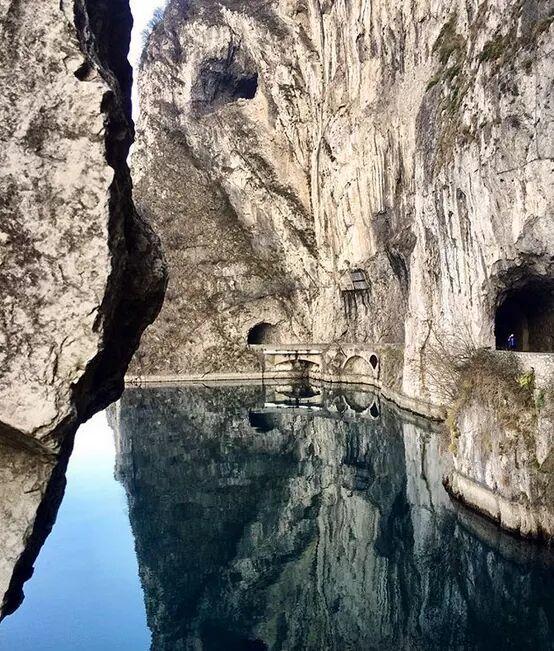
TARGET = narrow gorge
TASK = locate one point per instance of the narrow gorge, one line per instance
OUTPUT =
(277, 324)
(82, 274)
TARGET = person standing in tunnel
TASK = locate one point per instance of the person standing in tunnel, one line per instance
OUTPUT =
(511, 341)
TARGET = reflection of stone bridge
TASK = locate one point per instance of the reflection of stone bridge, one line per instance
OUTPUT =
(357, 363)
(327, 403)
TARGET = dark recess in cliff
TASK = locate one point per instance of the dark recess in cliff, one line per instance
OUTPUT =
(225, 80)
(527, 311)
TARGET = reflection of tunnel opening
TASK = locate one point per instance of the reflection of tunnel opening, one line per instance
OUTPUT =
(301, 391)
(261, 422)
(527, 312)
(261, 333)
(374, 410)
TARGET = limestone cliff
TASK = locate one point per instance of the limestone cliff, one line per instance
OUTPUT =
(81, 274)
(354, 171)
(285, 145)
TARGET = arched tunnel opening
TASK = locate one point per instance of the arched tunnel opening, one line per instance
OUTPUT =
(524, 319)
(262, 333)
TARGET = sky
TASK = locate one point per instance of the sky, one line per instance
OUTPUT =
(85, 591)
(142, 12)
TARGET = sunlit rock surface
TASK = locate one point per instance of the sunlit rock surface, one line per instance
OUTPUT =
(284, 144)
(81, 274)
(288, 149)
(281, 528)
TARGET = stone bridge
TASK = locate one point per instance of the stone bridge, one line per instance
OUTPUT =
(356, 363)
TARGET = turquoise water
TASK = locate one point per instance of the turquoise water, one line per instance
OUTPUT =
(243, 518)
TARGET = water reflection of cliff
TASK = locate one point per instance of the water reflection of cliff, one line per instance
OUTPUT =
(276, 528)
(31, 489)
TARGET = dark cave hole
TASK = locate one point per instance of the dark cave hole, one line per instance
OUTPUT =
(374, 361)
(261, 333)
(247, 87)
(221, 82)
(526, 311)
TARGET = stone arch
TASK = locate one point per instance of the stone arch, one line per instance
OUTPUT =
(526, 310)
(297, 363)
(359, 365)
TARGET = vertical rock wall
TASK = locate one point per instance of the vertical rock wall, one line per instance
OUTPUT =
(306, 139)
(81, 275)
(389, 164)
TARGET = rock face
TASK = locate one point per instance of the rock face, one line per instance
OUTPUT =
(503, 445)
(81, 274)
(357, 172)
(283, 147)
(261, 528)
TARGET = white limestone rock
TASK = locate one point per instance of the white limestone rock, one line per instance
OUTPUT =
(411, 140)
(81, 274)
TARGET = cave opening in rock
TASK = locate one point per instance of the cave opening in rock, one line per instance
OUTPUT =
(246, 87)
(262, 333)
(223, 81)
(526, 311)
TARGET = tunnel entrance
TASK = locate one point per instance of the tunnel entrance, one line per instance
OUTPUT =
(263, 333)
(527, 313)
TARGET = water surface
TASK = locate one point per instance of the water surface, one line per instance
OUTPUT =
(244, 518)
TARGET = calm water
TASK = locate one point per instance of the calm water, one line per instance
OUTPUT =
(238, 518)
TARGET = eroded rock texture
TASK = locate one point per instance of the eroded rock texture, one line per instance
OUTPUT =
(283, 529)
(286, 144)
(81, 274)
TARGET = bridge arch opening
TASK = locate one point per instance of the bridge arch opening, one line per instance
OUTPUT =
(374, 361)
(263, 333)
(357, 365)
(524, 319)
